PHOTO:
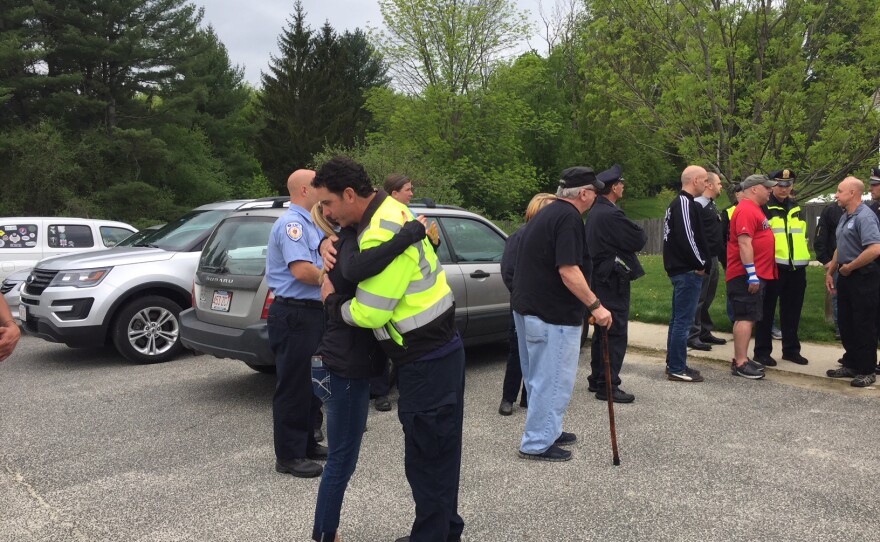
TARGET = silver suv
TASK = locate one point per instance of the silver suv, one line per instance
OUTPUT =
(231, 298)
(128, 296)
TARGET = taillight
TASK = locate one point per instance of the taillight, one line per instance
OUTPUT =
(270, 297)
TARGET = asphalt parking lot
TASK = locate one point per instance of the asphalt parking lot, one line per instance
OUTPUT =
(93, 448)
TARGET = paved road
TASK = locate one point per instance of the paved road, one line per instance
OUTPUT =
(92, 448)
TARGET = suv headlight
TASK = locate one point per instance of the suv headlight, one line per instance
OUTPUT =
(80, 278)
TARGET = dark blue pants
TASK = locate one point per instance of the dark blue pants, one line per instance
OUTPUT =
(431, 411)
(789, 290)
(615, 296)
(294, 333)
(857, 298)
(513, 379)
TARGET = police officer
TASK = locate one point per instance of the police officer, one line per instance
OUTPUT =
(874, 181)
(411, 309)
(295, 325)
(825, 243)
(858, 284)
(792, 257)
(612, 242)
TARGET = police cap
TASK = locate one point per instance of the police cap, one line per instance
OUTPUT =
(578, 176)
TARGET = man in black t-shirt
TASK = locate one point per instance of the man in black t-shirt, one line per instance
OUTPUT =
(549, 294)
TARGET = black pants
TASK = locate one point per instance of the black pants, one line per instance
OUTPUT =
(858, 296)
(615, 295)
(513, 379)
(703, 324)
(381, 385)
(431, 411)
(789, 290)
(294, 333)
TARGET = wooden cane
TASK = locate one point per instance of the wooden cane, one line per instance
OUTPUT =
(608, 391)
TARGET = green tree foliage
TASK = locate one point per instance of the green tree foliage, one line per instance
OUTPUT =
(313, 95)
(743, 86)
(102, 97)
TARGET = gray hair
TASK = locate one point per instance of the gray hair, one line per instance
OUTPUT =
(569, 193)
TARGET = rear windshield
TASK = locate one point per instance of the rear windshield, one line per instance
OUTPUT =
(238, 247)
(180, 234)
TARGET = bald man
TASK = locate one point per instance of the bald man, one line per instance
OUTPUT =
(686, 260)
(858, 284)
(296, 323)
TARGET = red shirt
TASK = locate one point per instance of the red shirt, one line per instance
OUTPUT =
(749, 219)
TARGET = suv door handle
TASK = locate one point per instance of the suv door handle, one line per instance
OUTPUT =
(479, 274)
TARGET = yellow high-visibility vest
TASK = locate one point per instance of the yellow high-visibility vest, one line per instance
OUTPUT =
(409, 293)
(790, 232)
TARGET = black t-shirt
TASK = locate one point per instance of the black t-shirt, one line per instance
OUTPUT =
(554, 237)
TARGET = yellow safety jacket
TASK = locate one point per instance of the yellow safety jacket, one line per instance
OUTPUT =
(409, 295)
(790, 232)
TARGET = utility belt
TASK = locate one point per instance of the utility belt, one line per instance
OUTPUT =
(291, 301)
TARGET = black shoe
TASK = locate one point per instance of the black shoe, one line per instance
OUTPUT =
(593, 387)
(863, 381)
(319, 435)
(553, 453)
(523, 403)
(688, 375)
(318, 452)
(301, 468)
(382, 403)
(712, 339)
(766, 361)
(795, 358)
(699, 345)
(566, 439)
(746, 370)
(841, 372)
(506, 408)
(617, 395)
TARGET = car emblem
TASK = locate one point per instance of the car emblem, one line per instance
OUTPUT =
(30, 279)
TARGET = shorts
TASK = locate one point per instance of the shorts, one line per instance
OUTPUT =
(746, 306)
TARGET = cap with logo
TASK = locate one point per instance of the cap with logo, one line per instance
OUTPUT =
(755, 180)
(784, 176)
(875, 176)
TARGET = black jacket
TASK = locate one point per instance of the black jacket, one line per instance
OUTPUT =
(684, 245)
(609, 235)
(825, 242)
(508, 259)
(712, 224)
(353, 352)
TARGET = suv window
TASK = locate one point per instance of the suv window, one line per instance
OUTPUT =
(179, 234)
(111, 235)
(70, 236)
(472, 240)
(18, 236)
(238, 247)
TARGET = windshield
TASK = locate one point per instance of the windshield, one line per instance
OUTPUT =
(238, 247)
(180, 234)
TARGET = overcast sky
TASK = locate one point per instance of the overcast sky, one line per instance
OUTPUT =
(250, 29)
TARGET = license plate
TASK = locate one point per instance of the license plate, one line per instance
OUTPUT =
(220, 301)
(22, 312)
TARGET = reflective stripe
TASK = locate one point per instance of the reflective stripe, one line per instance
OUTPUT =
(777, 230)
(346, 314)
(393, 227)
(801, 262)
(381, 334)
(796, 230)
(374, 301)
(427, 316)
(425, 284)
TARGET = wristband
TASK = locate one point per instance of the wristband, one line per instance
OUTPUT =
(750, 270)
(594, 305)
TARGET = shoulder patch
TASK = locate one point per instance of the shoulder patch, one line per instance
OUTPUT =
(294, 230)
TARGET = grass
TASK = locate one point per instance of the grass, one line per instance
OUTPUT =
(638, 209)
(652, 302)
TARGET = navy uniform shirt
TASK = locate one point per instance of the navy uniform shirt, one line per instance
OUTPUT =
(855, 232)
(294, 238)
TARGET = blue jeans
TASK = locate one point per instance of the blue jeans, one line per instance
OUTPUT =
(549, 355)
(346, 401)
(685, 296)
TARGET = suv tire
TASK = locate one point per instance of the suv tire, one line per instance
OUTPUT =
(147, 330)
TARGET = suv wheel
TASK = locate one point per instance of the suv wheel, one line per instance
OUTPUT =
(147, 330)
